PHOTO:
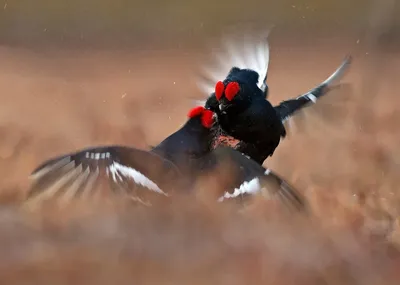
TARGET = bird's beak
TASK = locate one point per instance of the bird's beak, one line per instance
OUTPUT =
(222, 107)
(215, 117)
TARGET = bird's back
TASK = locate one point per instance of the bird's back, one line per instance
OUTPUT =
(186, 147)
(258, 122)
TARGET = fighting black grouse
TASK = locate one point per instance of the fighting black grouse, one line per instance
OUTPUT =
(243, 111)
(191, 149)
(174, 164)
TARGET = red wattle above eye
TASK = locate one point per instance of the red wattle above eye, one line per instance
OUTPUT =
(207, 119)
(196, 111)
(219, 89)
(231, 90)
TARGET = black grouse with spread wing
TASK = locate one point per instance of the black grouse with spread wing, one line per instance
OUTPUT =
(174, 164)
(191, 149)
(243, 111)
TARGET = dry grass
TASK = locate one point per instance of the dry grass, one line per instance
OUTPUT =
(53, 103)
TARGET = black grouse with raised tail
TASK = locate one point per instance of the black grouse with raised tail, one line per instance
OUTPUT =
(243, 111)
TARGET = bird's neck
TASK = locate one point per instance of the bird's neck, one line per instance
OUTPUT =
(197, 132)
(192, 140)
(190, 146)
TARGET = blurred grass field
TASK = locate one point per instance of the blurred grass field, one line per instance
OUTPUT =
(75, 74)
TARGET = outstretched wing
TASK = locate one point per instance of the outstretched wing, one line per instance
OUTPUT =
(126, 171)
(256, 180)
(288, 108)
(270, 186)
(314, 109)
(248, 51)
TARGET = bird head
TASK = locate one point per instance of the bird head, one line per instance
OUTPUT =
(237, 90)
(197, 135)
(229, 95)
(203, 116)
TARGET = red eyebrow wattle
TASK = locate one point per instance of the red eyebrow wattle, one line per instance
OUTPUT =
(231, 90)
(207, 118)
(196, 111)
(219, 89)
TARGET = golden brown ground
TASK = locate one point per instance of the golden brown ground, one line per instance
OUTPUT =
(54, 102)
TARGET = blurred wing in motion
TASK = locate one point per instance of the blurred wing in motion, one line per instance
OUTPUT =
(295, 112)
(273, 185)
(256, 180)
(249, 51)
(270, 186)
(288, 108)
(329, 115)
(127, 171)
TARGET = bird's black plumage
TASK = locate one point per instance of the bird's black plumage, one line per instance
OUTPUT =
(249, 117)
(188, 145)
(245, 113)
(173, 165)
(191, 149)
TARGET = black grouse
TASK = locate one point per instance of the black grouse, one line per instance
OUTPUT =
(191, 149)
(243, 111)
(173, 165)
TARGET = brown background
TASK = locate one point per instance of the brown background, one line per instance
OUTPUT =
(79, 73)
(131, 23)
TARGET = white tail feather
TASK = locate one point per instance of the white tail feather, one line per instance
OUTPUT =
(246, 51)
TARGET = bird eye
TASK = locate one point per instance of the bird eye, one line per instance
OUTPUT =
(219, 89)
(232, 89)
